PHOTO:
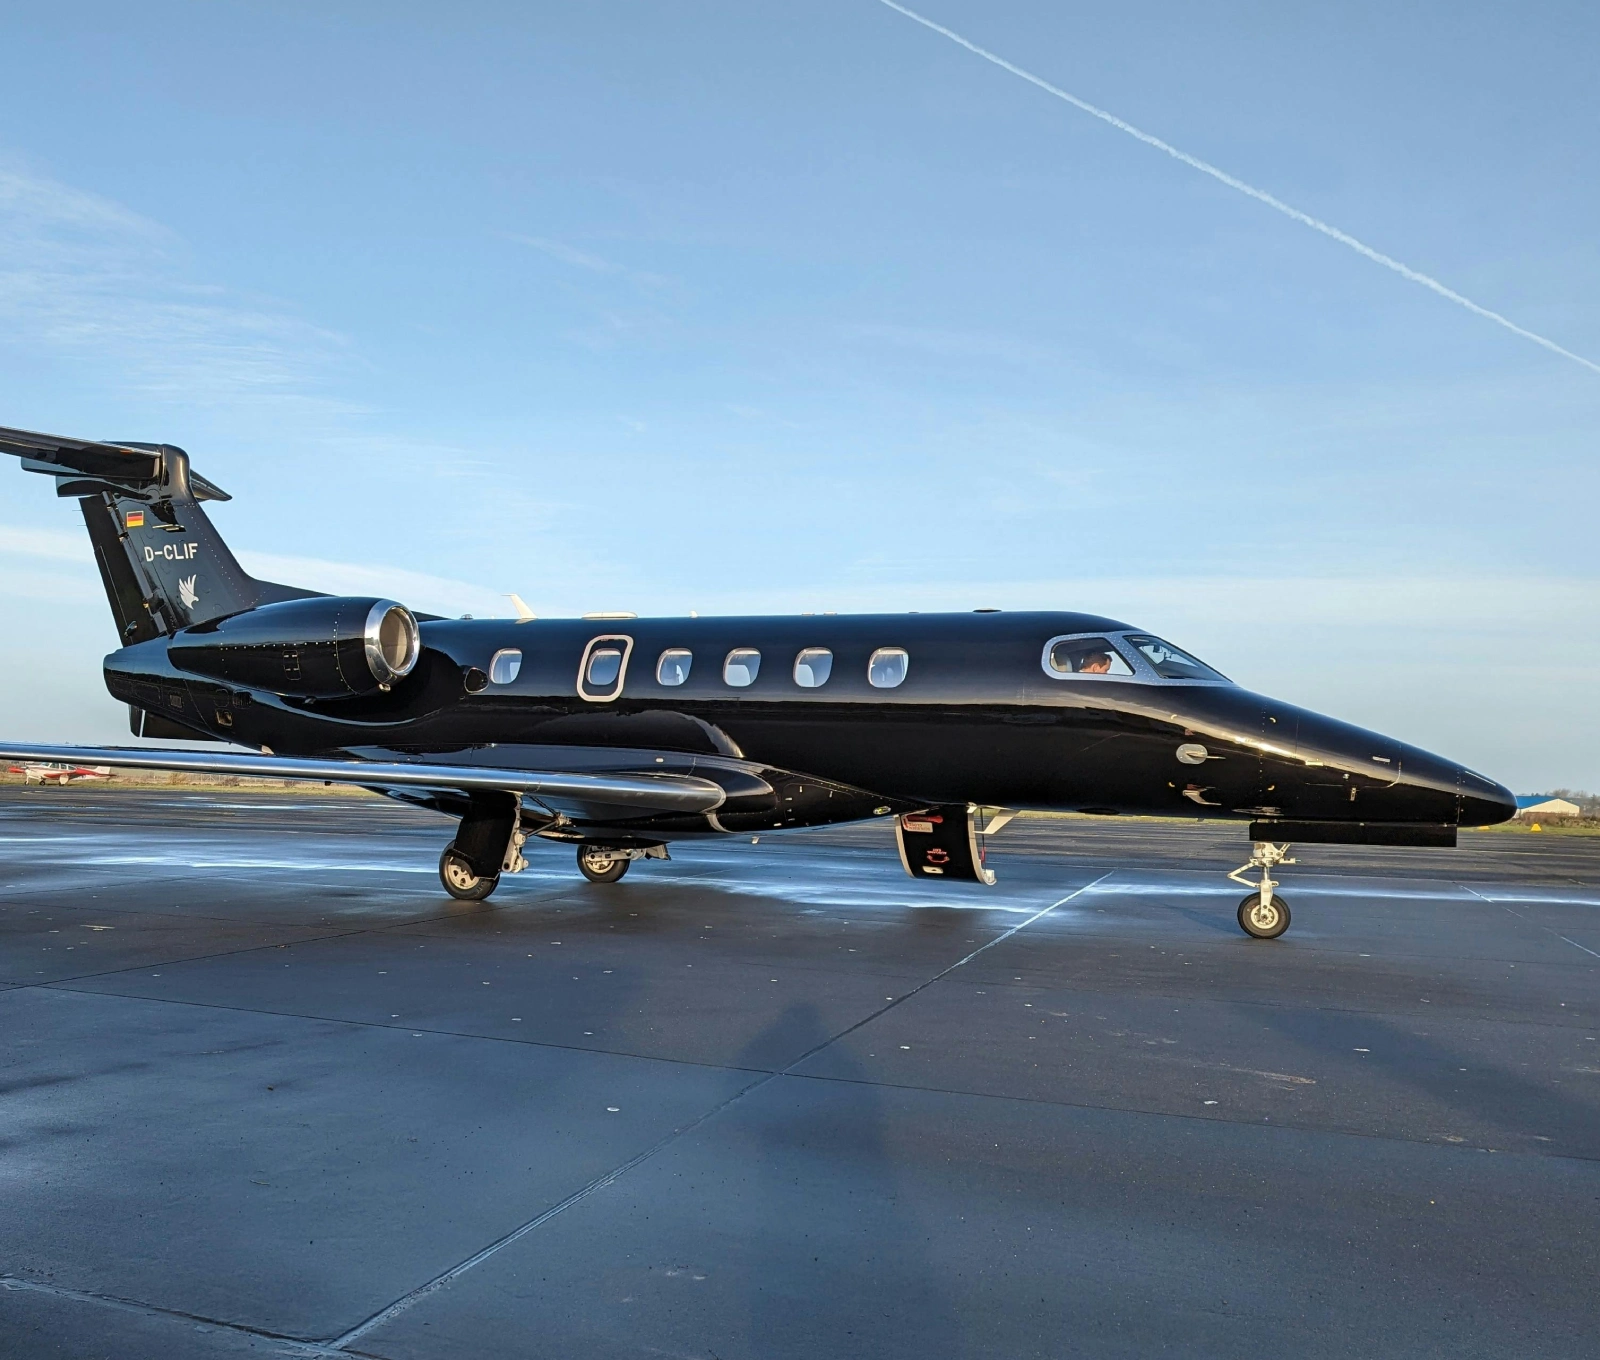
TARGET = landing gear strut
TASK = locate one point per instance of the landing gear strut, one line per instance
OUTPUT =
(488, 843)
(1263, 914)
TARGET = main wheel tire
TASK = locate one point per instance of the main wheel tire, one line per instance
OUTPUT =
(461, 880)
(1264, 922)
(599, 870)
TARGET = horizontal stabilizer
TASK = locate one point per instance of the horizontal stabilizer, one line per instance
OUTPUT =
(665, 793)
(82, 463)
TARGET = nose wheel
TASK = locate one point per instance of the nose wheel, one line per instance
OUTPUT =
(1263, 920)
(1263, 915)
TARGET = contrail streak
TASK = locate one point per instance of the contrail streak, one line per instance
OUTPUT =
(1260, 195)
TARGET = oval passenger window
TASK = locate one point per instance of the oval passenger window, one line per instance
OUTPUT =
(813, 667)
(605, 664)
(673, 667)
(602, 668)
(741, 667)
(504, 666)
(888, 667)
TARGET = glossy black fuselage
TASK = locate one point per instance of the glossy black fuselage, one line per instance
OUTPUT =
(979, 718)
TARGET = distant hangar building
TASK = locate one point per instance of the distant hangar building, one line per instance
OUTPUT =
(1533, 805)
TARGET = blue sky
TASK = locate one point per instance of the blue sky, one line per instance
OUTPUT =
(768, 307)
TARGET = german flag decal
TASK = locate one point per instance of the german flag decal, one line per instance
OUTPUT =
(135, 519)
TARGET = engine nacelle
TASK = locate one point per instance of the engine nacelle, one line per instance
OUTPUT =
(326, 647)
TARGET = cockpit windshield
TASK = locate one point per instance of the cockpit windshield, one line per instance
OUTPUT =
(1168, 662)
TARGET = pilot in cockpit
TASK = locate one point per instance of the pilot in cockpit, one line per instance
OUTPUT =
(1095, 663)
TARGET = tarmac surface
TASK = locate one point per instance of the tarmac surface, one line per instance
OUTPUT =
(267, 1091)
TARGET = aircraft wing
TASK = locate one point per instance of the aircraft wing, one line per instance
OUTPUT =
(563, 791)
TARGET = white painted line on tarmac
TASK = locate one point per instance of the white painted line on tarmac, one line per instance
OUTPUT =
(1501, 903)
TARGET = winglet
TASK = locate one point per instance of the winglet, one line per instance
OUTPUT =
(523, 612)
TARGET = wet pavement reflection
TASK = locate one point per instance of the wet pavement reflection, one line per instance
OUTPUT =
(265, 1085)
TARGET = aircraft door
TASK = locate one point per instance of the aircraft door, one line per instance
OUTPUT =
(1276, 758)
(942, 842)
(604, 668)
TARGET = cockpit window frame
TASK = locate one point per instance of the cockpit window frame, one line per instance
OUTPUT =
(1143, 672)
(1110, 639)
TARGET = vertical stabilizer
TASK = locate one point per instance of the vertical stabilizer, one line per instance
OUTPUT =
(163, 564)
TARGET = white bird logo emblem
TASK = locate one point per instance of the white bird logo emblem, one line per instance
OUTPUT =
(187, 592)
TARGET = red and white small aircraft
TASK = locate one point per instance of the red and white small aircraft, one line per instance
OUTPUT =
(47, 772)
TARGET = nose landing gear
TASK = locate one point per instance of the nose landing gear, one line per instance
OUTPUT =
(1263, 914)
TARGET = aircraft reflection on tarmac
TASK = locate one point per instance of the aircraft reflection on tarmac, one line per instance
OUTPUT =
(621, 736)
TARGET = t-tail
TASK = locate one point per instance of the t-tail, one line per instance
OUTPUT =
(163, 564)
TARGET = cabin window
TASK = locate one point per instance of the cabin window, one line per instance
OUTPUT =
(504, 665)
(605, 664)
(813, 667)
(741, 667)
(1086, 656)
(673, 667)
(603, 668)
(1168, 662)
(888, 667)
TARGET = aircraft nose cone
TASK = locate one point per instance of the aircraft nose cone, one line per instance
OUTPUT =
(1482, 801)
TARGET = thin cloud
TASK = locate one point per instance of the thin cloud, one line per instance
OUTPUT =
(1260, 195)
(565, 253)
(54, 545)
(583, 259)
(29, 200)
(954, 344)
(418, 590)
(72, 574)
(83, 275)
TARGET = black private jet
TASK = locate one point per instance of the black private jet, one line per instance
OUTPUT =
(620, 735)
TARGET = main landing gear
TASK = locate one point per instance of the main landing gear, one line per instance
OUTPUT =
(608, 863)
(461, 880)
(1263, 914)
(490, 840)
(488, 843)
(599, 865)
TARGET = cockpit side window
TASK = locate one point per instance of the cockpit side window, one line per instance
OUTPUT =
(1168, 662)
(1086, 656)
